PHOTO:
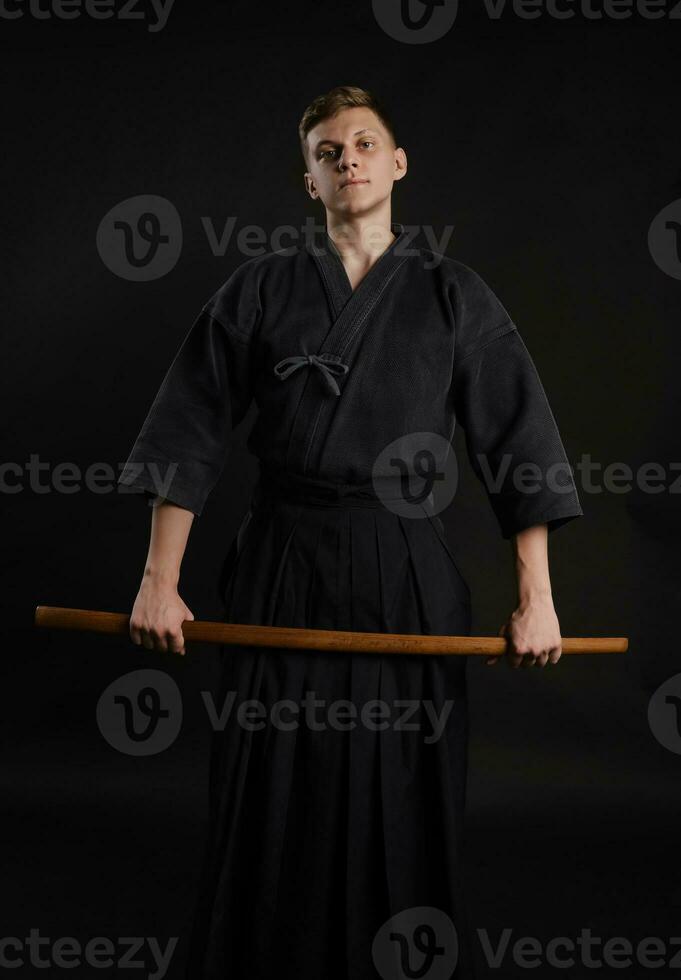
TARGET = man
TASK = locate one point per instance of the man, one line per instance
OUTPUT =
(349, 345)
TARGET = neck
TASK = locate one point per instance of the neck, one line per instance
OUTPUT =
(360, 239)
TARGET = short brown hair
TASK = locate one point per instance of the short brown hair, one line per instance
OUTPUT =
(341, 97)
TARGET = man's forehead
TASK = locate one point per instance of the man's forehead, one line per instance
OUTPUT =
(348, 122)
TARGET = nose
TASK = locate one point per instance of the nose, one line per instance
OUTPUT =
(347, 159)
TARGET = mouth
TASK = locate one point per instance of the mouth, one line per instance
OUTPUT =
(353, 183)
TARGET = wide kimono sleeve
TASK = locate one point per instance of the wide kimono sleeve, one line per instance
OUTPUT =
(512, 438)
(181, 449)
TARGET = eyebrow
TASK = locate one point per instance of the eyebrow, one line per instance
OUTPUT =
(358, 133)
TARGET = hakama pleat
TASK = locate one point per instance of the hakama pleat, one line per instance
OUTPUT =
(321, 832)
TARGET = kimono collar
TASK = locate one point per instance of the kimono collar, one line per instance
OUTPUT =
(335, 278)
(350, 308)
(324, 245)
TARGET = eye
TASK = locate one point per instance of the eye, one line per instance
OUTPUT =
(369, 142)
(323, 153)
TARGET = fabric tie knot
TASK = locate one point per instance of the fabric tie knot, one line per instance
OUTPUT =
(328, 364)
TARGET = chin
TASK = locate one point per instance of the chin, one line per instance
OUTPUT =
(360, 207)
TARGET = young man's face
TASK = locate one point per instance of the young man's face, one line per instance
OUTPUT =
(352, 162)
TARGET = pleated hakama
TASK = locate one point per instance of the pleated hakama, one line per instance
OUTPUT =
(321, 830)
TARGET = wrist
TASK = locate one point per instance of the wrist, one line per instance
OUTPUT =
(534, 595)
(167, 578)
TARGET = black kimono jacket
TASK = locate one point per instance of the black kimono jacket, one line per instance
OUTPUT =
(337, 375)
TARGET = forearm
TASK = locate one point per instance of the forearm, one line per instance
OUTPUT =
(530, 553)
(170, 527)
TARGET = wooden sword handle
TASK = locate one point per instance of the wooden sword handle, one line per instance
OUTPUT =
(208, 631)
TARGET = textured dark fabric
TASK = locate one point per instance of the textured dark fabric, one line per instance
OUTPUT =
(318, 838)
(425, 342)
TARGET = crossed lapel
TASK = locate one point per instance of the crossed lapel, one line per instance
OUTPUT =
(350, 316)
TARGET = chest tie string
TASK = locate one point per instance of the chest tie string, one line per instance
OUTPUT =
(328, 364)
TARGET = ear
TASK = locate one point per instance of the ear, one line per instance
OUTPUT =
(400, 163)
(310, 186)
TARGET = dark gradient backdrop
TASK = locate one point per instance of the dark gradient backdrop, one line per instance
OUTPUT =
(549, 146)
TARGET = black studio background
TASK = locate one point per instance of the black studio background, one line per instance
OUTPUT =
(549, 146)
